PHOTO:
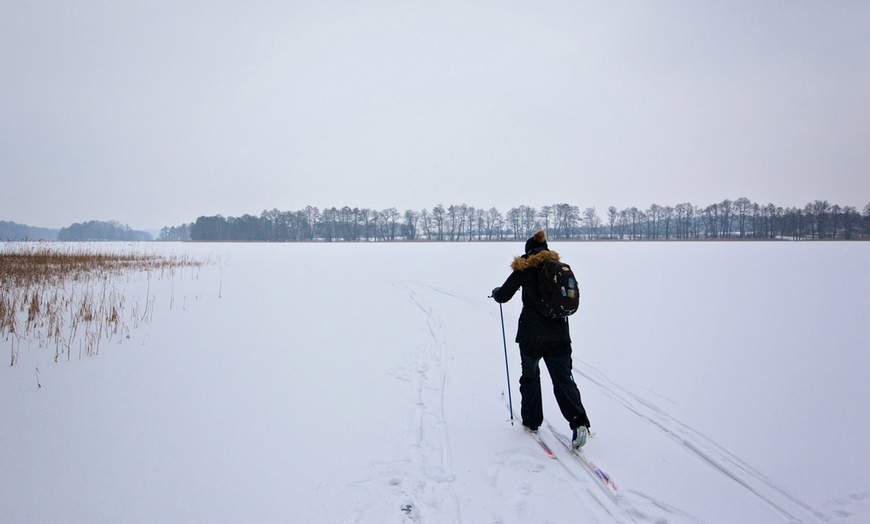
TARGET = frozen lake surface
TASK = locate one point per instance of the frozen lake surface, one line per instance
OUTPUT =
(360, 383)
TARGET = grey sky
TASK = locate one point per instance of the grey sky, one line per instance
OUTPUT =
(153, 113)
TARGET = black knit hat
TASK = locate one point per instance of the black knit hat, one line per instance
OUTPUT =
(537, 243)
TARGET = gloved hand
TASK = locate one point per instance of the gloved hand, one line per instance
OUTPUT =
(494, 291)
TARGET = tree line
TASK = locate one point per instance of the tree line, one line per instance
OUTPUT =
(93, 230)
(737, 219)
(99, 230)
(11, 231)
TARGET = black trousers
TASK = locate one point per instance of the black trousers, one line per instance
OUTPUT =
(557, 357)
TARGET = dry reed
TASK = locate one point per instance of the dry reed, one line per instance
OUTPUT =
(64, 296)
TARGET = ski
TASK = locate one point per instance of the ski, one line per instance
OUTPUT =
(544, 446)
(601, 478)
(535, 436)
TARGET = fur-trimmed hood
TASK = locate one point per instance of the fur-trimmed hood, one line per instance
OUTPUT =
(525, 262)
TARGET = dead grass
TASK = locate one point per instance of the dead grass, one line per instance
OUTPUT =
(66, 297)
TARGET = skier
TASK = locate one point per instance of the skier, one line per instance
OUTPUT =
(542, 337)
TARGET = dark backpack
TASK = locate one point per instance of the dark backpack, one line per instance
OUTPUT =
(555, 293)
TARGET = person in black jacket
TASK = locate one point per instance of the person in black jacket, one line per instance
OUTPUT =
(542, 337)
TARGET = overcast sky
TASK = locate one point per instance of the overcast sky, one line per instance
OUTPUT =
(153, 113)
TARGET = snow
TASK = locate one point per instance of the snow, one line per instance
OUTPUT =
(361, 383)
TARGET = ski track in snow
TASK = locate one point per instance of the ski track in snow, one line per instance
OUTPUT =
(421, 487)
(432, 496)
(519, 494)
(631, 500)
(603, 509)
(777, 497)
(636, 507)
(424, 486)
(420, 476)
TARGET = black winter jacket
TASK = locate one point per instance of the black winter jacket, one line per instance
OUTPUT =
(533, 328)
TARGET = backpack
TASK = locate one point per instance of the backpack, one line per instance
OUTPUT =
(555, 293)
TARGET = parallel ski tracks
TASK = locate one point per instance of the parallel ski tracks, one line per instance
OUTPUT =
(788, 505)
(576, 457)
(432, 440)
(601, 478)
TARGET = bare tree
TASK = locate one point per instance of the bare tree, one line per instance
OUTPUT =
(593, 222)
(453, 222)
(681, 212)
(463, 222)
(426, 223)
(726, 208)
(411, 219)
(653, 214)
(756, 219)
(346, 220)
(623, 222)
(481, 222)
(365, 219)
(529, 219)
(312, 218)
(392, 218)
(567, 218)
(438, 219)
(668, 216)
(329, 220)
(612, 216)
(742, 206)
(634, 222)
(470, 222)
(818, 214)
(711, 217)
(515, 221)
(494, 222)
(771, 221)
(545, 214)
(851, 222)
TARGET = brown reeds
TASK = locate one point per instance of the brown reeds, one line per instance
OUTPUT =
(64, 295)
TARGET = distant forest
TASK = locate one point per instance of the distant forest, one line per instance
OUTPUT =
(96, 230)
(93, 230)
(13, 231)
(737, 219)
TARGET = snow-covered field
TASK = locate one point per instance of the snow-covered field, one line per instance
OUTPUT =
(360, 383)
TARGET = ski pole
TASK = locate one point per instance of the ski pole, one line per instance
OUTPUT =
(506, 368)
